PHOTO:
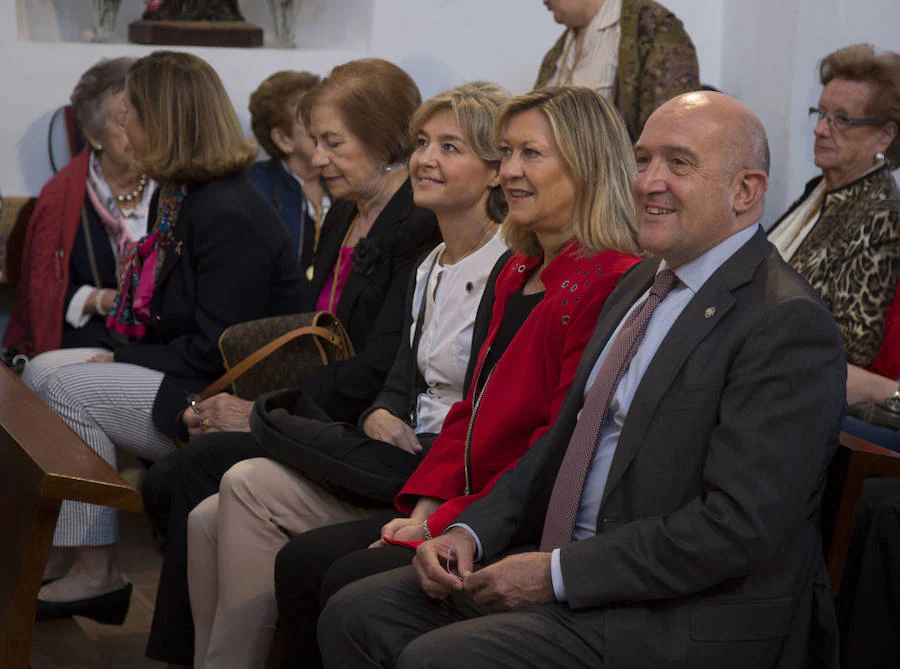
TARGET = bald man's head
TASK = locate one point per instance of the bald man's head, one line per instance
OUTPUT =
(703, 161)
(743, 136)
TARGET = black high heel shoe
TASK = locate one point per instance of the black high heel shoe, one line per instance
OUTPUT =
(109, 609)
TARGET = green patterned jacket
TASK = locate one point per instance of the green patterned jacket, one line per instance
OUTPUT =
(657, 61)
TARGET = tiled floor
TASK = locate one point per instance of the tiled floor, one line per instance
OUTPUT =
(79, 643)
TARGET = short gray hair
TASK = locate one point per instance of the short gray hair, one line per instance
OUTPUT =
(107, 77)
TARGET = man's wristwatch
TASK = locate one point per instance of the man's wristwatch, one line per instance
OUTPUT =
(892, 402)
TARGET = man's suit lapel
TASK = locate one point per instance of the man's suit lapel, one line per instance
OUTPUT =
(630, 287)
(700, 317)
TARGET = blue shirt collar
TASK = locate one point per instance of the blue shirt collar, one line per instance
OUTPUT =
(695, 273)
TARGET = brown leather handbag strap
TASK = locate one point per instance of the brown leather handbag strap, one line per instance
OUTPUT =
(262, 353)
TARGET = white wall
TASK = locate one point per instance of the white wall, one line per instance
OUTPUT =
(770, 63)
(440, 42)
(763, 52)
(437, 41)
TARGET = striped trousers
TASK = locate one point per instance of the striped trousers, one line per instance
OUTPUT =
(108, 404)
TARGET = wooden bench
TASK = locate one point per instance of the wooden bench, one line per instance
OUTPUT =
(13, 226)
(42, 462)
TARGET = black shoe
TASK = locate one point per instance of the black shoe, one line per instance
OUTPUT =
(109, 609)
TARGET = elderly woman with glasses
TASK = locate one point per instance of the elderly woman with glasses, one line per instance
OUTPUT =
(843, 234)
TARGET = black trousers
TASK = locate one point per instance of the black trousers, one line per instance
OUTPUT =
(869, 599)
(387, 621)
(171, 489)
(315, 565)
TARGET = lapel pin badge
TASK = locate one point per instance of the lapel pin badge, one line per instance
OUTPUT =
(710, 312)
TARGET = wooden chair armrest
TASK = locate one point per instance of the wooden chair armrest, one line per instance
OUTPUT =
(71, 470)
(855, 460)
(42, 463)
(869, 458)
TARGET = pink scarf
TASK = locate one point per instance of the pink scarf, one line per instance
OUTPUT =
(141, 265)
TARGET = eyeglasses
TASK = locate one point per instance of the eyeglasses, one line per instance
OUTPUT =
(840, 121)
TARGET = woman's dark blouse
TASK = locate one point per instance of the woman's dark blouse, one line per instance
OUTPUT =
(94, 332)
(517, 311)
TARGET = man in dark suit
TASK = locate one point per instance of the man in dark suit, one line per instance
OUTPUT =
(675, 501)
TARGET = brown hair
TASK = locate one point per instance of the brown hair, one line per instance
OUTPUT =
(274, 104)
(859, 62)
(474, 106)
(106, 77)
(376, 100)
(193, 133)
(595, 148)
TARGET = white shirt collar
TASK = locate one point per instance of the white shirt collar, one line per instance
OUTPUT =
(609, 15)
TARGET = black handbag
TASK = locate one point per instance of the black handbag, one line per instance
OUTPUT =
(294, 430)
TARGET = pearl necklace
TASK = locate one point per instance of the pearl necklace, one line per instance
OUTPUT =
(135, 194)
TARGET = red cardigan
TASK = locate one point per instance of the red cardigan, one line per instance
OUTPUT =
(526, 390)
(36, 323)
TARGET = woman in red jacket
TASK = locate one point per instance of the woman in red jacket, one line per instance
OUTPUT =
(566, 168)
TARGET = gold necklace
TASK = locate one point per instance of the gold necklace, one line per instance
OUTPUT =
(337, 265)
(564, 79)
(319, 215)
(318, 210)
(488, 234)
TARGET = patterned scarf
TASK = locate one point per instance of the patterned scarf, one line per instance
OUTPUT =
(119, 225)
(141, 266)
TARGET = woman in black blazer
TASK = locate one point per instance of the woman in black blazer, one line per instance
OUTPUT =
(371, 303)
(369, 245)
(216, 254)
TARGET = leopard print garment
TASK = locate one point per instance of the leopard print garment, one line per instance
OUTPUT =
(852, 259)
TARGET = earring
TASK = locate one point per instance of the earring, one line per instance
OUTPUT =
(98, 148)
(388, 169)
(879, 157)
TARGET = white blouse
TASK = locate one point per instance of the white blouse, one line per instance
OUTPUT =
(453, 294)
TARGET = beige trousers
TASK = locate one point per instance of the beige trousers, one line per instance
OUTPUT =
(233, 538)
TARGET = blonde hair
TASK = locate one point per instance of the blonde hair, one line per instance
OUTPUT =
(274, 104)
(860, 62)
(595, 148)
(474, 106)
(375, 99)
(193, 133)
